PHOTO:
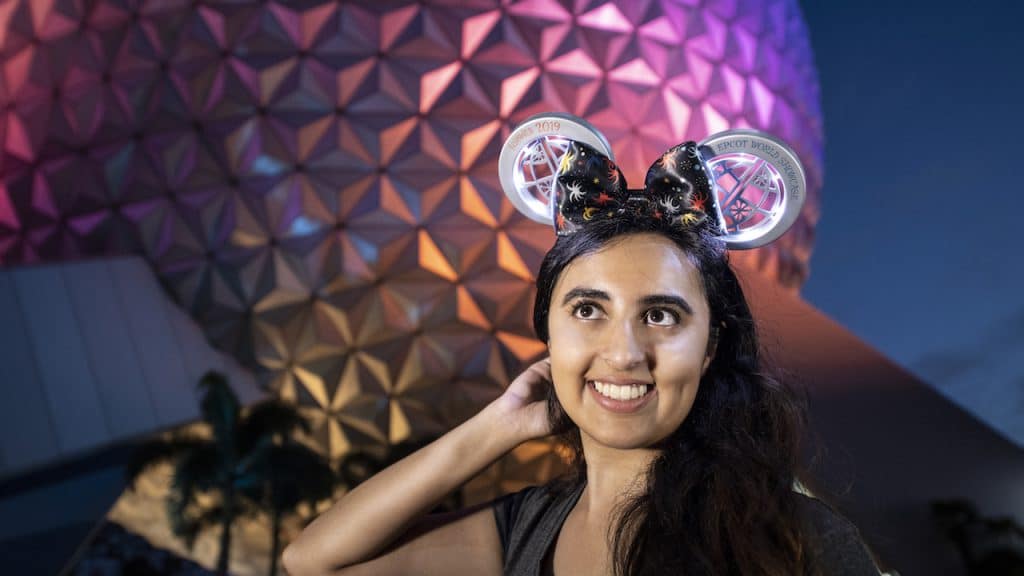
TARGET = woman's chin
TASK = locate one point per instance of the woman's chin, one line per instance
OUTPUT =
(625, 440)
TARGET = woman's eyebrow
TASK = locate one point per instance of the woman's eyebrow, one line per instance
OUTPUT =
(669, 299)
(585, 293)
(652, 300)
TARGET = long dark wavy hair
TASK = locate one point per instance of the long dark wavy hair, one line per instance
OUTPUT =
(719, 498)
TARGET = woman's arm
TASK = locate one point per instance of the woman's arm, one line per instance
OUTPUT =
(366, 521)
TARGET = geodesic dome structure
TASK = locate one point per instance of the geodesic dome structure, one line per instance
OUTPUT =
(316, 182)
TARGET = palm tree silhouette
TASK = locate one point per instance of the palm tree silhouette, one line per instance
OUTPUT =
(988, 546)
(248, 463)
(290, 473)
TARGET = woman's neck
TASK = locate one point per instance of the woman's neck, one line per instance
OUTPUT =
(612, 473)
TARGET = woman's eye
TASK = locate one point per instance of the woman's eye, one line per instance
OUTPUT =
(662, 317)
(585, 311)
(655, 316)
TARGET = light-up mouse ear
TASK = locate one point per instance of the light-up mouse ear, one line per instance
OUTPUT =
(530, 157)
(760, 185)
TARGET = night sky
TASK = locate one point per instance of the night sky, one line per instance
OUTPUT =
(918, 248)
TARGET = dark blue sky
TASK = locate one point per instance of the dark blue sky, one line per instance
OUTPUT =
(918, 248)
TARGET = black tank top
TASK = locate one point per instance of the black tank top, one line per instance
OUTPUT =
(529, 521)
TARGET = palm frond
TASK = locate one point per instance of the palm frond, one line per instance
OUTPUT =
(287, 475)
(209, 517)
(247, 507)
(307, 468)
(182, 519)
(358, 466)
(269, 418)
(255, 459)
(201, 469)
(220, 408)
(156, 451)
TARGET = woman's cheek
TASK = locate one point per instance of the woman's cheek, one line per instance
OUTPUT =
(573, 339)
(679, 363)
(689, 348)
(576, 340)
(569, 354)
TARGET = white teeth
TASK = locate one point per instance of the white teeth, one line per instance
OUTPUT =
(621, 392)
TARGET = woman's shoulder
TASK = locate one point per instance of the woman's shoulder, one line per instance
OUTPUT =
(531, 502)
(527, 520)
(838, 543)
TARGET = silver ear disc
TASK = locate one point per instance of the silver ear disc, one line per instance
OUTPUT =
(530, 158)
(760, 184)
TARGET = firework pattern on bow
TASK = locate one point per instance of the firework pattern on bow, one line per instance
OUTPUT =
(678, 189)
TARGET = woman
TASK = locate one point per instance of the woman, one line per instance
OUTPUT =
(684, 451)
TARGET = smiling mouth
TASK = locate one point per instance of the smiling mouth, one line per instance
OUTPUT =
(621, 393)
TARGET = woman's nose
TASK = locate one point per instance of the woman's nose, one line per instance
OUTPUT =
(624, 347)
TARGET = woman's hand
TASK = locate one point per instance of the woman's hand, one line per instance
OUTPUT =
(523, 406)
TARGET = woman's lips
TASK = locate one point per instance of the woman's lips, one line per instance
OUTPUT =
(621, 405)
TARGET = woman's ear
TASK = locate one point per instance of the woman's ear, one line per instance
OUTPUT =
(709, 354)
(707, 360)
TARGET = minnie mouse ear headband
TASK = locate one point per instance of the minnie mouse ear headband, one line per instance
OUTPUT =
(558, 169)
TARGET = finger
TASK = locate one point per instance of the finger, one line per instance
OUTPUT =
(544, 365)
(542, 369)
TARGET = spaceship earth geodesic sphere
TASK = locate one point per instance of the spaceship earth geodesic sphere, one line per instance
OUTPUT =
(316, 182)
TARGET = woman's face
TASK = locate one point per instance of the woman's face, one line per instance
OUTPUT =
(629, 327)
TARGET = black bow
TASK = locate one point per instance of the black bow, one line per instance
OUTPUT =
(678, 189)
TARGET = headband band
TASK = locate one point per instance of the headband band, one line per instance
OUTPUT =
(745, 185)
